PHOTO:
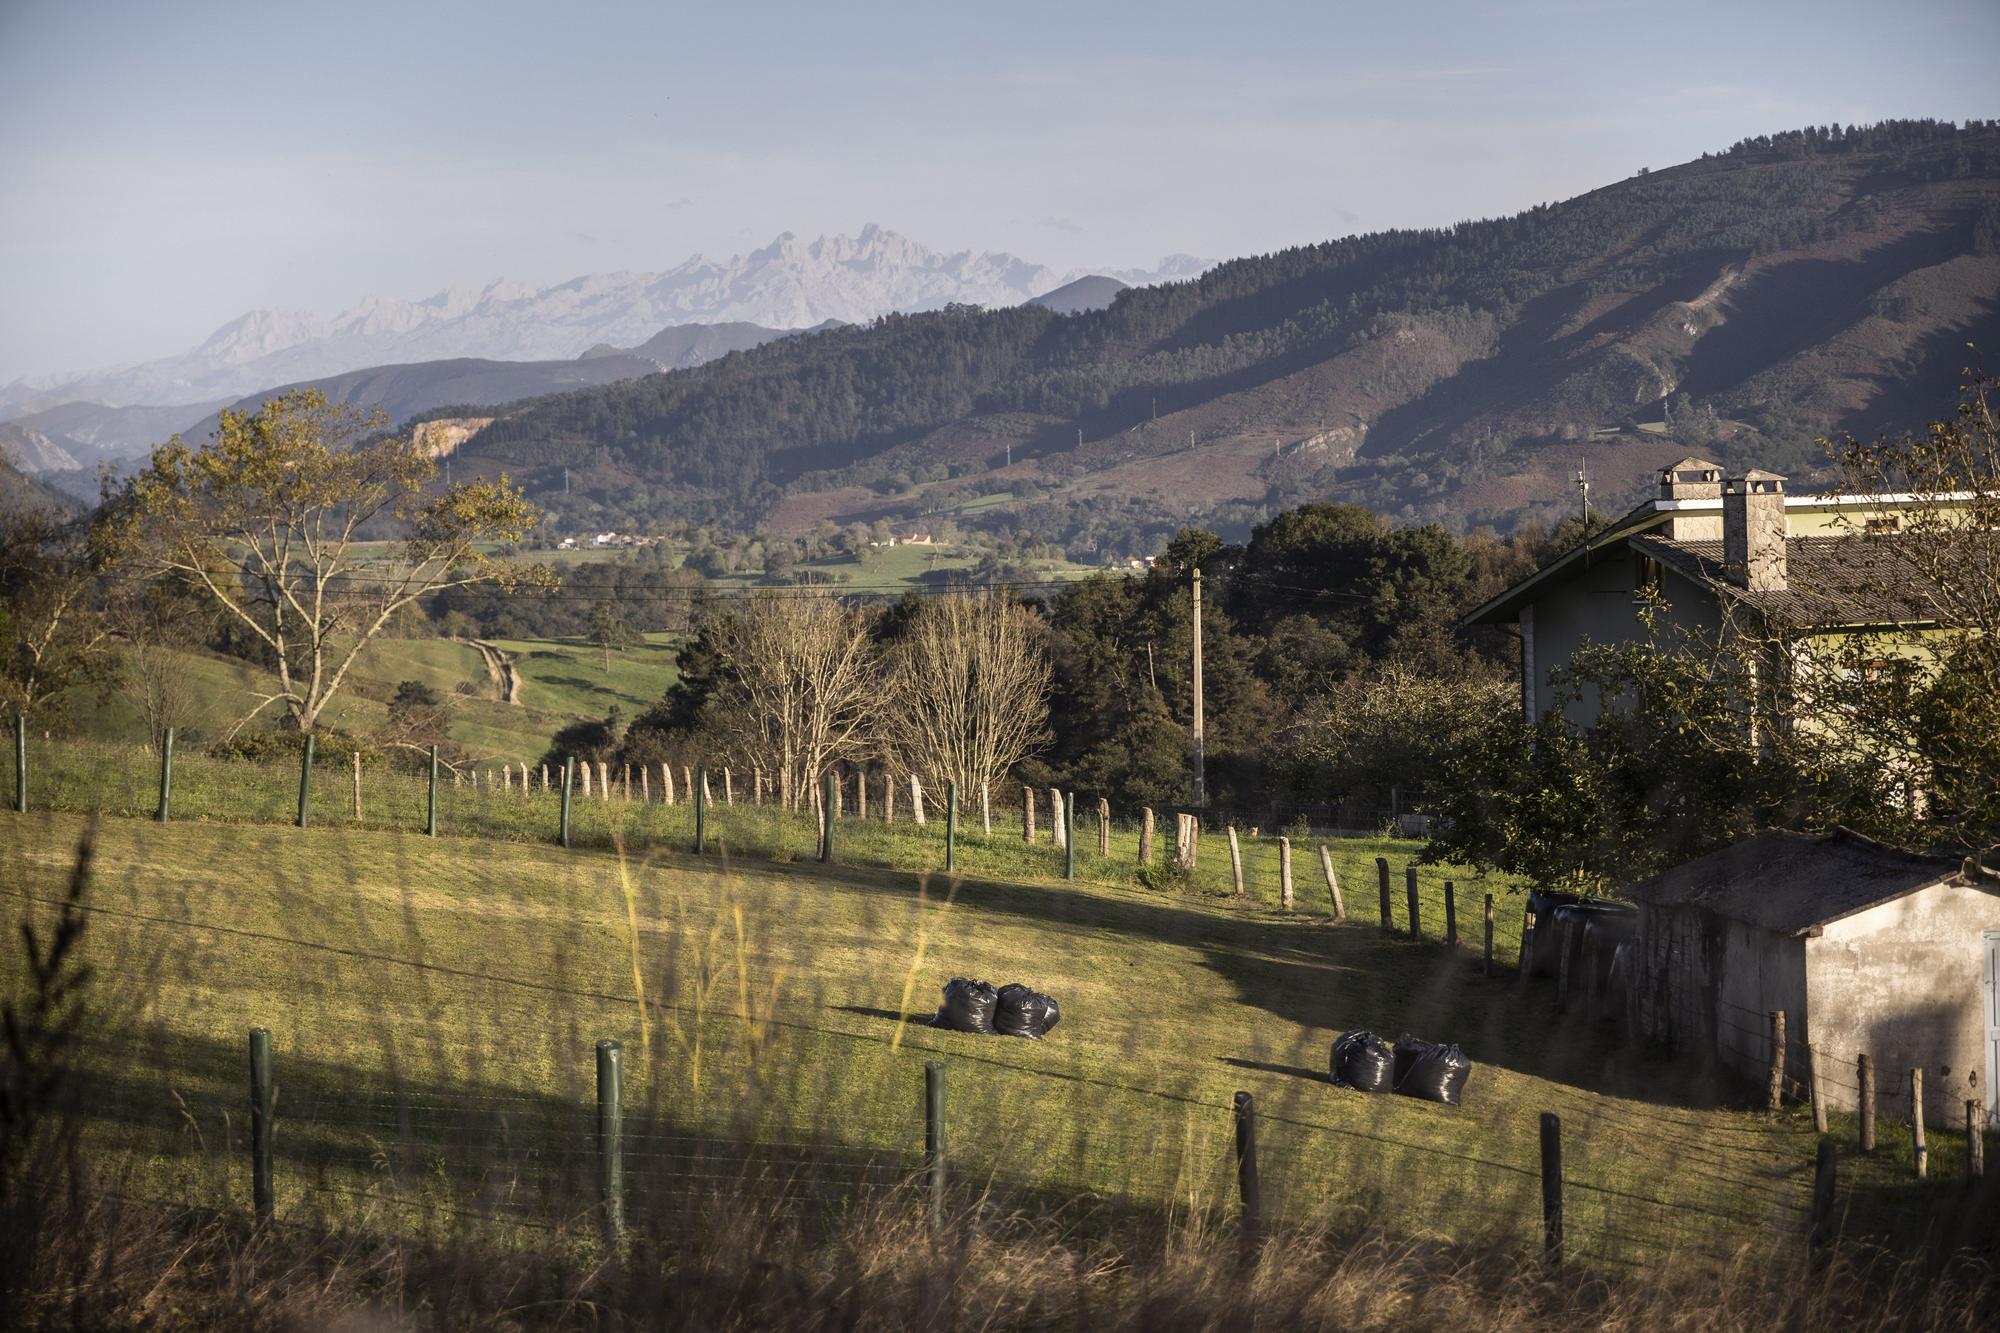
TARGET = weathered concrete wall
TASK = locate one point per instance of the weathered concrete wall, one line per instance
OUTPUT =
(1710, 984)
(1904, 983)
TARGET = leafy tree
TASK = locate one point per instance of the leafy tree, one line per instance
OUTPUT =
(610, 631)
(267, 518)
(53, 631)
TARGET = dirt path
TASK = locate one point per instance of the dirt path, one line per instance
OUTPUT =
(500, 670)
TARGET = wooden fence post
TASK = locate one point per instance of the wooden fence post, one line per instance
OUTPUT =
(305, 780)
(1285, 873)
(1865, 1071)
(1248, 1189)
(1069, 839)
(584, 769)
(1416, 910)
(1103, 826)
(888, 797)
(827, 783)
(1774, 1092)
(1918, 1151)
(1489, 935)
(1058, 827)
(1975, 1139)
(568, 788)
(1027, 814)
(545, 777)
(1235, 860)
(1146, 835)
(1819, 1228)
(757, 788)
(986, 806)
(1332, 883)
(950, 827)
(1552, 1190)
(263, 1193)
(728, 786)
(603, 780)
(861, 792)
(934, 1140)
(699, 793)
(1450, 915)
(167, 777)
(917, 800)
(611, 1138)
(1815, 1088)
(1382, 874)
(625, 783)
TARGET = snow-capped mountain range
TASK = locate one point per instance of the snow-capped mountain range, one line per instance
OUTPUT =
(789, 284)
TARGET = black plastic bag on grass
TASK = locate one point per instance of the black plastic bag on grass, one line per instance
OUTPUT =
(1362, 1061)
(968, 1007)
(1432, 1070)
(1023, 1012)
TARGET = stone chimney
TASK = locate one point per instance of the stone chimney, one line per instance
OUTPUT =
(1692, 479)
(1753, 530)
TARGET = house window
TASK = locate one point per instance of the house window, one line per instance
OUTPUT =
(1884, 523)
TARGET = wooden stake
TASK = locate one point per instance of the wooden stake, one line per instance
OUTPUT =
(645, 785)
(1285, 873)
(1332, 883)
(888, 797)
(1975, 1139)
(1236, 860)
(986, 807)
(728, 787)
(585, 768)
(1865, 1068)
(1816, 1089)
(1774, 1093)
(1382, 874)
(1057, 829)
(545, 777)
(1103, 826)
(1488, 969)
(1146, 835)
(861, 793)
(1450, 916)
(916, 800)
(1918, 1151)
(1027, 814)
(757, 789)
(625, 783)
(666, 783)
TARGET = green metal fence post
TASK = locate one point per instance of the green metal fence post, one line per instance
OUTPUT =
(262, 1195)
(700, 809)
(826, 782)
(950, 828)
(568, 784)
(305, 779)
(166, 774)
(1069, 835)
(431, 810)
(934, 1152)
(21, 762)
(610, 1138)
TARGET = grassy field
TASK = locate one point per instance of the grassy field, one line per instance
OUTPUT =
(434, 1004)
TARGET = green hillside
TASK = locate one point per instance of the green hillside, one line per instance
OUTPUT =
(1740, 304)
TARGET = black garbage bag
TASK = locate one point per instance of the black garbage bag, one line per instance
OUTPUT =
(1362, 1061)
(1024, 1012)
(968, 1007)
(1432, 1070)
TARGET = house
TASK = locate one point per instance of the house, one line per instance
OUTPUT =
(1712, 549)
(1866, 949)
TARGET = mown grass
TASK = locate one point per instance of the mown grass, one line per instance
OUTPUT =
(568, 678)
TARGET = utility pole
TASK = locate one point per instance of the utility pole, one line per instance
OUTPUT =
(1200, 781)
(1583, 488)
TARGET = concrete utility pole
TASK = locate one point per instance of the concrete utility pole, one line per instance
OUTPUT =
(1200, 780)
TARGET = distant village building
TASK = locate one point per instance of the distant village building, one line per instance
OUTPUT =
(1867, 950)
(1713, 547)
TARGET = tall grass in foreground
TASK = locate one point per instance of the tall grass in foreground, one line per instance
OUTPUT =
(437, 1162)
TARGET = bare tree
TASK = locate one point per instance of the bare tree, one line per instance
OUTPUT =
(968, 691)
(797, 671)
(268, 521)
(159, 623)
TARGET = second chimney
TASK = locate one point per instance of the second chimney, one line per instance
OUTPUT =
(1753, 530)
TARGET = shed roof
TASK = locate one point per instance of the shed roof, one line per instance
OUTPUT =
(1792, 882)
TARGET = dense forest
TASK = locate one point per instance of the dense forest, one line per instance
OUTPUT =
(1744, 303)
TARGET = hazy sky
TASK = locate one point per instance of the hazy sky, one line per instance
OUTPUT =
(166, 166)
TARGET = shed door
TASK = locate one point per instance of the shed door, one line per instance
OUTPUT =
(1992, 1027)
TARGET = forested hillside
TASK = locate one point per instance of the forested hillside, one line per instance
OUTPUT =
(1743, 304)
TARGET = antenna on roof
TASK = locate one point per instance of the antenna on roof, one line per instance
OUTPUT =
(1583, 489)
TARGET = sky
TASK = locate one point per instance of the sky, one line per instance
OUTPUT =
(165, 167)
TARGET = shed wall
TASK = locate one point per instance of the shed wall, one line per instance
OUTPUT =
(1904, 983)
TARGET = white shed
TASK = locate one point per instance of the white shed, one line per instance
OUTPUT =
(1867, 950)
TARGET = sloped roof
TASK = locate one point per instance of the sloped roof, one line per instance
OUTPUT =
(1792, 882)
(1830, 581)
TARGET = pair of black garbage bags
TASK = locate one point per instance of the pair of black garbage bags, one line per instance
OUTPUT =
(1011, 1011)
(1432, 1070)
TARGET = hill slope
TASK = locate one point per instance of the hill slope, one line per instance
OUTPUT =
(1740, 305)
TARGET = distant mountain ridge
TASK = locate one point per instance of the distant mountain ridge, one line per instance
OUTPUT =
(788, 284)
